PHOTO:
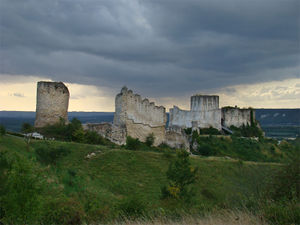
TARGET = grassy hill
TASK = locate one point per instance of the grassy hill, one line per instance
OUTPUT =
(95, 183)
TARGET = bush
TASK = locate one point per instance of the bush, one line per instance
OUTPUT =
(286, 183)
(50, 154)
(62, 210)
(132, 143)
(180, 175)
(210, 131)
(27, 128)
(92, 137)
(2, 130)
(150, 140)
(21, 192)
(132, 207)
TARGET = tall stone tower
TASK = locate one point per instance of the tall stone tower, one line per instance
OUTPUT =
(52, 103)
(204, 102)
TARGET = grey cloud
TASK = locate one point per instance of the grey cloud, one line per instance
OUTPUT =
(160, 48)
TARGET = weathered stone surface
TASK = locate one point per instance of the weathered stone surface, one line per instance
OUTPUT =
(52, 103)
(115, 134)
(139, 117)
(236, 116)
(204, 119)
(204, 113)
(176, 138)
(204, 102)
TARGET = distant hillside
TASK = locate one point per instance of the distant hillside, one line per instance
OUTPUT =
(13, 120)
(275, 122)
(278, 117)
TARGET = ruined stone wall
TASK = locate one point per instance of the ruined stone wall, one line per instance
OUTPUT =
(236, 116)
(177, 138)
(203, 119)
(52, 103)
(115, 134)
(204, 102)
(139, 116)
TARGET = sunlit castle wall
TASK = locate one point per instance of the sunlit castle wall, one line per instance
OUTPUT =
(52, 103)
(204, 113)
(139, 116)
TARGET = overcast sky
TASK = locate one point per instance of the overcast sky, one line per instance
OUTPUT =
(163, 49)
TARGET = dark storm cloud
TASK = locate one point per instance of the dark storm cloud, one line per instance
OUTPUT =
(162, 48)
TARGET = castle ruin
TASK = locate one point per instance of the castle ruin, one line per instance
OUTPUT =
(52, 103)
(204, 113)
(138, 118)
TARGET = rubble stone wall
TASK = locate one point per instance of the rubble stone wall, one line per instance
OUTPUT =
(203, 119)
(236, 116)
(139, 116)
(52, 103)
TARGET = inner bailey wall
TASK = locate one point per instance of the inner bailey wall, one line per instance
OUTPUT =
(139, 117)
(52, 103)
(236, 116)
(202, 119)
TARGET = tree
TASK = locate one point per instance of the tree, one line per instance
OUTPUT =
(180, 175)
(27, 128)
(2, 130)
(150, 140)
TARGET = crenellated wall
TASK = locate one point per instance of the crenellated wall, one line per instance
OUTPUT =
(139, 116)
(236, 116)
(52, 103)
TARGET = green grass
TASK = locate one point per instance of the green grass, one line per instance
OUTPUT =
(97, 188)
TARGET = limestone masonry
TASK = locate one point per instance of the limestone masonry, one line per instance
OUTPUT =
(205, 113)
(138, 118)
(236, 116)
(52, 103)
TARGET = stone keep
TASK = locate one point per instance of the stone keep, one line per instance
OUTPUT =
(204, 113)
(139, 117)
(52, 103)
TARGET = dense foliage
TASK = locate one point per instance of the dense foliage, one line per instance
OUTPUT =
(72, 131)
(2, 130)
(27, 128)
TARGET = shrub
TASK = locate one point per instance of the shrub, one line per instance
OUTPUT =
(188, 131)
(62, 210)
(210, 131)
(132, 143)
(180, 175)
(286, 184)
(2, 130)
(132, 207)
(92, 137)
(27, 128)
(206, 149)
(78, 135)
(50, 154)
(150, 140)
(21, 191)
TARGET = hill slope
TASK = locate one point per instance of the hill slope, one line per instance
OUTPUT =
(117, 181)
